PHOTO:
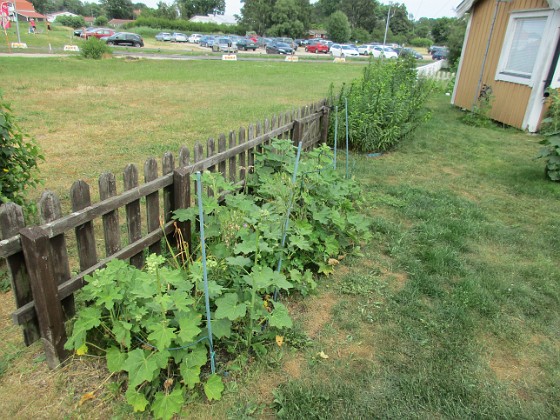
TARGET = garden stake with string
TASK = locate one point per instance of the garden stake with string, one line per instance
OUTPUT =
(335, 133)
(346, 106)
(287, 223)
(204, 270)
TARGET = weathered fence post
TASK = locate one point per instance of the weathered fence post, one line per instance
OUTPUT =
(85, 238)
(152, 203)
(242, 155)
(50, 209)
(233, 159)
(35, 244)
(111, 226)
(11, 221)
(133, 216)
(182, 196)
(325, 123)
(297, 134)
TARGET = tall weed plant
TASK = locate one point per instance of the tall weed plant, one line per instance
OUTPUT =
(550, 128)
(385, 106)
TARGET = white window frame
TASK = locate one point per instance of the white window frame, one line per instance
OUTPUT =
(501, 72)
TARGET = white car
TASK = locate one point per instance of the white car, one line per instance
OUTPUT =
(194, 38)
(365, 49)
(178, 37)
(384, 51)
(343, 50)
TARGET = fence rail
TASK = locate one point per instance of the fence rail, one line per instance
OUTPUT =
(38, 259)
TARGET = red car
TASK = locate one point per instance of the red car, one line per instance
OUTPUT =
(317, 48)
(97, 33)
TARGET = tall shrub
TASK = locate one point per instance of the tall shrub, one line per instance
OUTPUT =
(94, 48)
(19, 155)
(385, 106)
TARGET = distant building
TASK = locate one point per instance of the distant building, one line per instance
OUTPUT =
(24, 11)
(317, 33)
(117, 23)
(218, 19)
(51, 17)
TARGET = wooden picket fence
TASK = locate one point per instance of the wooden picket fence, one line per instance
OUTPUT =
(37, 257)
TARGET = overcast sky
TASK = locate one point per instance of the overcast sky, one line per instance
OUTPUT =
(418, 8)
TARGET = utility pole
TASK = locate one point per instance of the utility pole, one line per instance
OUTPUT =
(387, 24)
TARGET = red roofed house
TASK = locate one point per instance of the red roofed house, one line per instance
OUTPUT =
(24, 11)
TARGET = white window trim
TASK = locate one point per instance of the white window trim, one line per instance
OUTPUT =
(508, 40)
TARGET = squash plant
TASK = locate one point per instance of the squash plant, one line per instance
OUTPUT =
(149, 324)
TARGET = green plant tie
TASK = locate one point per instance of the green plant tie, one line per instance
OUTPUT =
(287, 222)
(204, 270)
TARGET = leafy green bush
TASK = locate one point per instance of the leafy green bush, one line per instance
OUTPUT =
(421, 42)
(385, 106)
(94, 49)
(101, 21)
(19, 156)
(71, 21)
(550, 128)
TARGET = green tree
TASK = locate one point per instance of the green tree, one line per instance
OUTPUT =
(327, 7)
(361, 13)
(286, 19)
(40, 6)
(165, 11)
(360, 35)
(400, 23)
(257, 15)
(455, 40)
(441, 29)
(190, 8)
(338, 27)
(118, 9)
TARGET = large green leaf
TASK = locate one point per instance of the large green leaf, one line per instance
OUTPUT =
(121, 330)
(188, 324)
(167, 405)
(115, 359)
(88, 318)
(228, 306)
(140, 367)
(279, 317)
(221, 328)
(214, 387)
(136, 399)
(161, 336)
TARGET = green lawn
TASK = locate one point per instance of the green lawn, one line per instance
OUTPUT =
(94, 116)
(453, 311)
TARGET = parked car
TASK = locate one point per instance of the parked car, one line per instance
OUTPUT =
(194, 38)
(78, 32)
(224, 44)
(163, 36)
(366, 49)
(279, 48)
(97, 33)
(317, 48)
(440, 54)
(124, 38)
(383, 51)
(343, 50)
(207, 41)
(288, 41)
(179, 37)
(246, 44)
(408, 51)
